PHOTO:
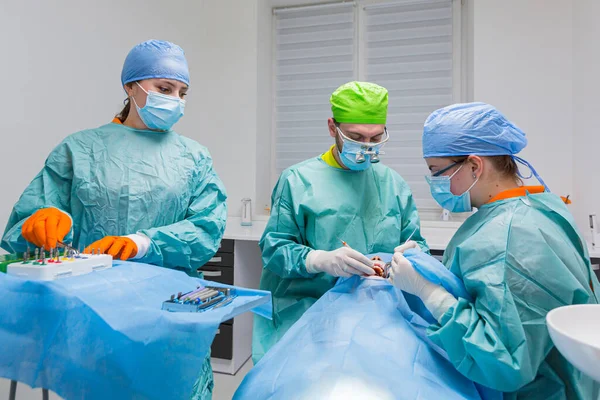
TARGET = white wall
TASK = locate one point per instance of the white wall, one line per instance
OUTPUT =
(264, 107)
(522, 55)
(586, 108)
(225, 117)
(62, 62)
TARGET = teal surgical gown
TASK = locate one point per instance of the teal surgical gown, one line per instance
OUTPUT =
(116, 180)
(314, 206)
(519, 258)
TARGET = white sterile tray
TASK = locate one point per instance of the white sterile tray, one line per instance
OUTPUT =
(65, 267)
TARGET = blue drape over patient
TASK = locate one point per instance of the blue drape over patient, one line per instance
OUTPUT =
(362, 340)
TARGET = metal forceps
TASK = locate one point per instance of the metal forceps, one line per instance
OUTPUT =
(68, 247)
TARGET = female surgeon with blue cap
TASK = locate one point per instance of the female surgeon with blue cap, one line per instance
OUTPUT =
(132, 188)
(520, 255)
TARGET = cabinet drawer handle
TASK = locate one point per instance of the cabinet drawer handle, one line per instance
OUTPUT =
(212, 273)
(216, 259)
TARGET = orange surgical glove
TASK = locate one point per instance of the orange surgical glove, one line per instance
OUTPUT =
(46, 226)
(117, 246)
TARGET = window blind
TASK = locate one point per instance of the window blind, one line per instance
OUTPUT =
(409, 50)
(314, 54)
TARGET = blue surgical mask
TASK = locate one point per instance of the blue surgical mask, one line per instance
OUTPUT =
(161, 112)
(440, 190)
(358, 156)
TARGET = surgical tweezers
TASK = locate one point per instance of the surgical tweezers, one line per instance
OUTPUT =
(68, 247)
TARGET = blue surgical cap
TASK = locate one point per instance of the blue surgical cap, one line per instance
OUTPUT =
(473, 128)
(155, 59)
(470, 128)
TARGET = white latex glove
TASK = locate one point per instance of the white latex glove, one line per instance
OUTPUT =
(411, 244)
(340, 262)
(404, 276)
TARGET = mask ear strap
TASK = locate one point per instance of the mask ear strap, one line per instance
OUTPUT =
(456, 172)
(137, 83)
(133, 98)
(533, 172)
(346, 138)
(473, 185)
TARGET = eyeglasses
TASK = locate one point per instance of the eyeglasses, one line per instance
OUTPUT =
(454, 164)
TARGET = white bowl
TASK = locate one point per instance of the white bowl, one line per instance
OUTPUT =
(575, 330)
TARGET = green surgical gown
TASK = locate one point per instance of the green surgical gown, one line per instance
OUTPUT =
(519, 258)
(314, 205)
(116, 180)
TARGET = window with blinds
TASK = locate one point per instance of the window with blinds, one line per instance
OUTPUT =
(314, 54)
(408, 50)
(406, 46)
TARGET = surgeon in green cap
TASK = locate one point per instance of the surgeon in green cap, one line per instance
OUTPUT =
(345, 194)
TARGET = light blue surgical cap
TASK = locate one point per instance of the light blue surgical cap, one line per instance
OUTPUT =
(155, 59)
(473, 128)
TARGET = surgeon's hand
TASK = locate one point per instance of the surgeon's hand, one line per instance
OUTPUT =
(340, 262)
(120, 247)
(406, 278)
(46, 227)
(411, 244)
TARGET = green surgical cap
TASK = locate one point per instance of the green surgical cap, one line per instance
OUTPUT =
(360, 103)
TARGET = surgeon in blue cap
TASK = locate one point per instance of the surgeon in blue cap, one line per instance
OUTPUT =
(132, 188)
(520, 255)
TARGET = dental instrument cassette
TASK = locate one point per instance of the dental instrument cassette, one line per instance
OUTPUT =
(200, 299)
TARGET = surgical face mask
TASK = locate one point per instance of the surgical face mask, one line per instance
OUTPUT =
(440, 190)
(161, 112)
(358, 156)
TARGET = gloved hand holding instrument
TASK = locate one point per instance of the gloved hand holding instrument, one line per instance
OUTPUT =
(343, 262)
(46, 227)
